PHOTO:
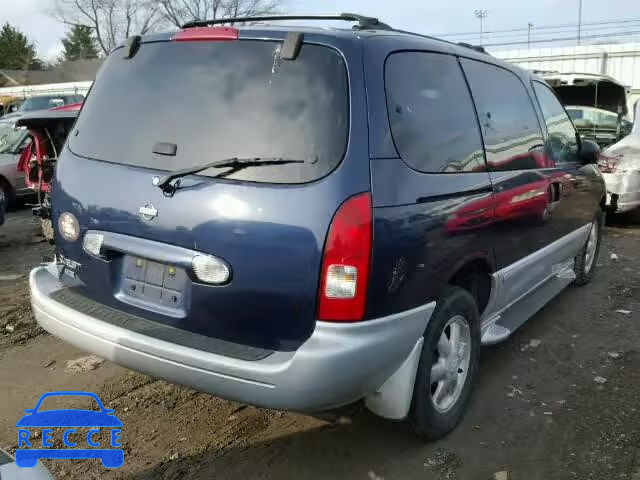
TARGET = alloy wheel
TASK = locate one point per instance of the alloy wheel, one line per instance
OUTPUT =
(451, 365)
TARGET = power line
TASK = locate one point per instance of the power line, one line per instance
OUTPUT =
(601, 30)
(542, 27)
(605, 30)
(565, 39)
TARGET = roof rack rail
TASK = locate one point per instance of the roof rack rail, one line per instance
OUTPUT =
(477, 48)
(364, 23)
(437, 39)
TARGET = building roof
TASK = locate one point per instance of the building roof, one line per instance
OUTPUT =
(76, 71)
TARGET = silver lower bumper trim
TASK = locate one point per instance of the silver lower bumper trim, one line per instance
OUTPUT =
(338, 364)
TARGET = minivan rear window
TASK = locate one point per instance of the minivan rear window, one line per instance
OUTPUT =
(217, 100)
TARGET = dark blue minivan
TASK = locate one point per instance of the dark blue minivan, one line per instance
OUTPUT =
(301, 218)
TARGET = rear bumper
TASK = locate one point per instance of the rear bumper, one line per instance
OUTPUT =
(623, 191)
(338, 364)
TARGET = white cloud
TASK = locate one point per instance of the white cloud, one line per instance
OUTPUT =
(53, 52)
(33, 18)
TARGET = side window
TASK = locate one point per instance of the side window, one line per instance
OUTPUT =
(606, 119)
(431, 114)
(512, 135)
(23, 144)
(562, 134)
(575, 114)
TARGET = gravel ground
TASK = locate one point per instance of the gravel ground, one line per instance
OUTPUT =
(559, 400)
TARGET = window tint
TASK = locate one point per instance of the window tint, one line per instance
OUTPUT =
(562, 134)
(510, 127)
(432, 119)
(218, 100)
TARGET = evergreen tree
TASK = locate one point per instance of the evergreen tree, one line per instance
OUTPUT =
(16, 52)
(79, 44)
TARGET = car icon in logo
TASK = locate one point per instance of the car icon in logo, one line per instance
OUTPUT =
(31, 449)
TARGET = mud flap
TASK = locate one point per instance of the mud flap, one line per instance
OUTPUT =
(393, 398)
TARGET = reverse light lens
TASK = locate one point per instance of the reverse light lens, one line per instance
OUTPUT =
(341, 281)
(92, 243)
(210, 270)
(68, 227)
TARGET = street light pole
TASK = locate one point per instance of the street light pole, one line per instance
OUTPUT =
(481, 14)
(579, 20)
(529, 36)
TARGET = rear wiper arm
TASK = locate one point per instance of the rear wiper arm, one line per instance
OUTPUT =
(235, 163)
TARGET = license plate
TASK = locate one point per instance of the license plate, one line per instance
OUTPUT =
(154, 282)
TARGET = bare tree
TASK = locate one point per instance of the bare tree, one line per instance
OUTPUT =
(111, 20)
(179, 12)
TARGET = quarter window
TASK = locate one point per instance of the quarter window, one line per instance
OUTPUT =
(563, 142)
(512, 135)
(432, 119)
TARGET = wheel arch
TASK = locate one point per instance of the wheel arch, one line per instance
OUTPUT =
(473, 274)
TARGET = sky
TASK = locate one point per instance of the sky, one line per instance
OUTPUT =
(423, 16)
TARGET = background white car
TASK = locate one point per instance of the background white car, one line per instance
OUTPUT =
(620, 166)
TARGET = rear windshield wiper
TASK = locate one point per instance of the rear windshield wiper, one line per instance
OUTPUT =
(234, 163)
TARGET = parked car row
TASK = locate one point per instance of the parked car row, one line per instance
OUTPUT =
(304, 230)
(9, 104)
(13, 108)
(29, 147)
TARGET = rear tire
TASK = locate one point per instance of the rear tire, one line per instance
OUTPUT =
(444, 381)
(5, 196)
(3, 204)
(587, 260)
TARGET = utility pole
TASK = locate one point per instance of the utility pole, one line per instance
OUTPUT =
(529, 36)
(579, 20)
(481, 14)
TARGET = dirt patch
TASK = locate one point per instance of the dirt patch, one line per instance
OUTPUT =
(21, 247)
(17, 324)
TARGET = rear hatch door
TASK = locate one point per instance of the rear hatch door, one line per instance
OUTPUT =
(175, 105)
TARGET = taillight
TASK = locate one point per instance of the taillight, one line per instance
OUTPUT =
(206, 34)
(345, 263)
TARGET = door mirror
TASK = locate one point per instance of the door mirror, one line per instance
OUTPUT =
(589, 152)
